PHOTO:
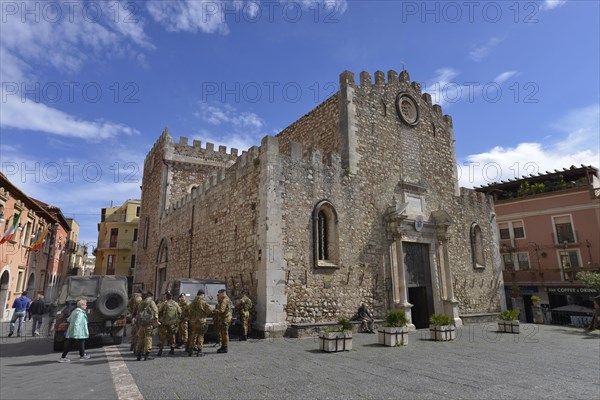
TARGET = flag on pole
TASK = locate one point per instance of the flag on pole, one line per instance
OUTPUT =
(10, 232)
(37, 245)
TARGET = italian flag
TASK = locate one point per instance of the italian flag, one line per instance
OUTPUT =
(10, 232)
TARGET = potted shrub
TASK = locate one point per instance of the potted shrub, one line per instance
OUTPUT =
(508, 321)
(441, 327)
(395, 331)
(338, 338)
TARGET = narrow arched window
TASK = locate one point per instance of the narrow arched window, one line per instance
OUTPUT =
(325, 235)
(477, 249)
(322, 232)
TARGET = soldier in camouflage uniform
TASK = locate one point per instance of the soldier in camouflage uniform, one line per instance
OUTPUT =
(223, 320)
(244, 306)
(169, 313)
(146, 325)
(182, 332)
(197, 313)
(132, 306)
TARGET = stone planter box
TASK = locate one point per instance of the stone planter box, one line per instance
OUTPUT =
(508, 326)
(335, 341)
(442, 332)
(393, 336)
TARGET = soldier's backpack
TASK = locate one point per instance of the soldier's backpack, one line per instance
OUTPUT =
(169, 315)
(145, 316)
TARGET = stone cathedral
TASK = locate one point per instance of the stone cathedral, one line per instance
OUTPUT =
(358, 200)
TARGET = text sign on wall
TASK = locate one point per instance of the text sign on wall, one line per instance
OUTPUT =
(571, 290)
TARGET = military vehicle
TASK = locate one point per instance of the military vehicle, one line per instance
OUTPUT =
(190, 288)
(106, 306)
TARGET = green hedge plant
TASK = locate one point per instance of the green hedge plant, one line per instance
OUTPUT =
(440, 320)
(396, 318)
(509, 315)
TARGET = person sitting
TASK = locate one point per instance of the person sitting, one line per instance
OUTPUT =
(364, 315)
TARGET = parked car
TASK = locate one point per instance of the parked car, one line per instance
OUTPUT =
(106, 306)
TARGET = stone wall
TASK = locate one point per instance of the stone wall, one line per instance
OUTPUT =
(318, 128)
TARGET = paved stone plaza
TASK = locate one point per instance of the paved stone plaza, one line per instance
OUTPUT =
(549, 362)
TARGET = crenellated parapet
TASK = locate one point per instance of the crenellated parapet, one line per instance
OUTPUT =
(249, 162)
(395, 82)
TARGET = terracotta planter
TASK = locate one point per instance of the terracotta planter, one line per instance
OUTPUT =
(393, 336)
(335, 341)
(442, 332)
(508, 326)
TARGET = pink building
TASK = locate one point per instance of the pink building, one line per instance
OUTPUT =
(549, 229)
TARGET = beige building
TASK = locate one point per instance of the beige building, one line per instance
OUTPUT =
(358, 200)
(117, 239)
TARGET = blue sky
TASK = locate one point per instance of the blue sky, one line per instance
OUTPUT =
(87, 87)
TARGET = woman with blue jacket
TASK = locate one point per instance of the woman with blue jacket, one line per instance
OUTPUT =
(77, 331)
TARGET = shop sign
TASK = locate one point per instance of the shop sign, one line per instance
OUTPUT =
(571, 290)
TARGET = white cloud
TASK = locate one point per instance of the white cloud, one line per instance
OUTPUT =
(190, 15)
(212, 16)
(552, 4)
(481, 52)
(503, 77)
(226, 114)
(578, 143)
(442, 88)
(29, 115)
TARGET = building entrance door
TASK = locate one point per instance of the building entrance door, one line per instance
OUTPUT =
(418, 281)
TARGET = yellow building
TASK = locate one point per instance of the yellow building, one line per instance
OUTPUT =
(117, 239)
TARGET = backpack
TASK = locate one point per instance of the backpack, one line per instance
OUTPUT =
(145, 315)
(169, 314)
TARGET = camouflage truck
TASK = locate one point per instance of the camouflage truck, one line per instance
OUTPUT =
(190, 287)
(106, 306)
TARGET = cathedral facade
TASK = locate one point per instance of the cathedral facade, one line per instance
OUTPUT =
(358, 200)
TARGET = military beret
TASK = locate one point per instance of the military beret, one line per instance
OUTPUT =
(139, 290)
(200, 292)
(221, 291)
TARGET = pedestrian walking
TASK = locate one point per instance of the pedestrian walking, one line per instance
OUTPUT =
(169, 313)
(244, 306)
(197, 313)
(36, 313)
(223, 314)
(77, 332)
(21, 305)
(147, 320)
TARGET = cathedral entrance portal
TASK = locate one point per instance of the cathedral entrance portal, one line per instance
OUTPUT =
(418, 281)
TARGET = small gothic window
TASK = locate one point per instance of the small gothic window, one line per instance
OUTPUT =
(477, 246)
(325, 235)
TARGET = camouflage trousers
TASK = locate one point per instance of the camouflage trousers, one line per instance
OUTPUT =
(197, 335)
(167, 332)
(222, 329)
(144, 338)
(245, 319)
(182, 332)
(133, 333)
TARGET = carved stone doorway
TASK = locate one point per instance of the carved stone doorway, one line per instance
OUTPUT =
(418, 281)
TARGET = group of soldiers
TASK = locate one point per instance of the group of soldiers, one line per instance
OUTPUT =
(182, 322)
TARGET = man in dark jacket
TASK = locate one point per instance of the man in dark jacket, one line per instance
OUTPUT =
(36, 312)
